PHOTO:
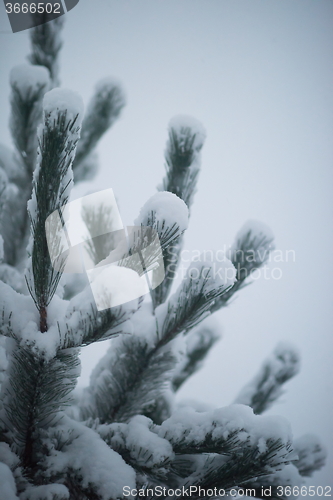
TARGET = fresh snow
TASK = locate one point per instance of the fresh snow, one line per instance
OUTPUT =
(28, 77)
(189, 426)
(218, 272)
(7, 456)
(257, 230)
(182, 123)
(310, 451)
(59, 100)
(7, 483)
(202, 334)
(46, 492)
(11, 301)
(8, 162)
(1, 248)
(167, 207)
(145, 446)
(284, 359)
(3, 359)
(90, 458)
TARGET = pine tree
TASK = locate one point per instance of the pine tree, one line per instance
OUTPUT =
(124, 430)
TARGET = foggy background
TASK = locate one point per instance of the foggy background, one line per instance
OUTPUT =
(258, 74)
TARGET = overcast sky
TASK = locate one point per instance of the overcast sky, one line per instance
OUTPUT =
(258, 74)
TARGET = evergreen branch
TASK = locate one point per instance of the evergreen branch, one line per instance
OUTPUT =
(266, 387)
(161, 409)
(13, 216)
(199, 343)
(224, 448)
(203, 285)
(3, 360)
(168, 216)
(240, 467)
(139, 446)
(34, 393)
(170, 261)
(250, 251)
(102, 112)
(137, 374)
(98, 220)
(52, 179)
(13, 225)
(279, 485)
(82, 327)
(11, 276)
(54, 491)
(311, 454)
(127, 380)
(182, 155)
(225, 431)
(46, 44)
(64, 458)
(3, 186)
(11, 164)
(29, 84)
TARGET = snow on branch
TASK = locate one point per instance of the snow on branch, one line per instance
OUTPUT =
(3, 187)
(29, 84)
(7, 482)
(78, 454)
(167, 214)
(223, 430)
(266, 387)
(103, 110)
(282, 484)
(250, 251)
(99, 219)
(58, 137)
(31, 402)
(11, 210)
(311, 454)
(138, 368)
(239, 445)
(183, 159)
(128, 380)
(149, 454)
(14, 193)
(182, 155)
(205, 281)
(199, 341)
(83, 324)
(53, 491)
(46, 43)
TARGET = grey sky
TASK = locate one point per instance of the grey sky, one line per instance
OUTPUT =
(258, 74)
